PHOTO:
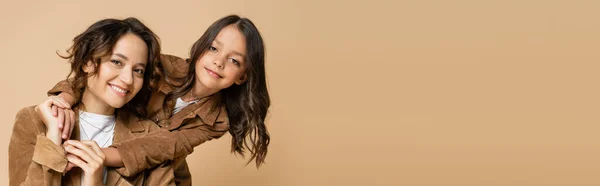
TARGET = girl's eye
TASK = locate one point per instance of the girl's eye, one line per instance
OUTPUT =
(235, 62)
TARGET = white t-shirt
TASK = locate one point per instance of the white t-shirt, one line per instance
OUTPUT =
(180, 104)
(99, 128)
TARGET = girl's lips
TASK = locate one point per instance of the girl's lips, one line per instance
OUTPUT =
(212, 73)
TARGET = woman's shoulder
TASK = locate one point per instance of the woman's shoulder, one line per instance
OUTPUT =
(28, 117)
(28, 113)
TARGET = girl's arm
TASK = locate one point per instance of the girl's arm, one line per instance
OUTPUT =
(159, 146)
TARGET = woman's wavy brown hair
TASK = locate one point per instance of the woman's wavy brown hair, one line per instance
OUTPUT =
(98, 41)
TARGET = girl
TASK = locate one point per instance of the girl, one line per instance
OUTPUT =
(222, 87)
(109, 63)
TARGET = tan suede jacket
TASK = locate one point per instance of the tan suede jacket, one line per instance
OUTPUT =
(35, 160)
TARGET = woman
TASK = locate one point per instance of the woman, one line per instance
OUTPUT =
(109, 64)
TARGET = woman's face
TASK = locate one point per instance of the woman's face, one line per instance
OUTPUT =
(121, 75)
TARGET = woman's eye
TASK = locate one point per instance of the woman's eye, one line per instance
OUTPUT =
(116, 62)
(139, 71)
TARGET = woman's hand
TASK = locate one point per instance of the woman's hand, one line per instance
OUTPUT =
(52, 122)
(67, 122)
(88, 156)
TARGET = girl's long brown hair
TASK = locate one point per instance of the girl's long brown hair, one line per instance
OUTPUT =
(247, 104)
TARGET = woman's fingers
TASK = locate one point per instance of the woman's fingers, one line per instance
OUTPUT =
(84, 151)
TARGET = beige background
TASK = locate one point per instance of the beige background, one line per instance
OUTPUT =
(464, 92)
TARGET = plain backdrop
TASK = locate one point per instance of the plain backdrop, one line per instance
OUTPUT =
(408, 92)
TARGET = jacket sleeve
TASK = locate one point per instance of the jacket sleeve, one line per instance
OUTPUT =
(158, 146)
(161, 175)
(33, 158)
(64, 86)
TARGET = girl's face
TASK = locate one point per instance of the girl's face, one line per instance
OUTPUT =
(223, 64)
(121, 75)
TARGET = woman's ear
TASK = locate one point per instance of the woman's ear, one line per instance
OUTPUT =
(89, 67)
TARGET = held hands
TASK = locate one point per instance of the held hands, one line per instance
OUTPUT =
(59, 119)
(58, 116)
(54, 112)
(88, 156)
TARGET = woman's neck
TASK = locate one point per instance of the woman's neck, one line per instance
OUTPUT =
(94, 104)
